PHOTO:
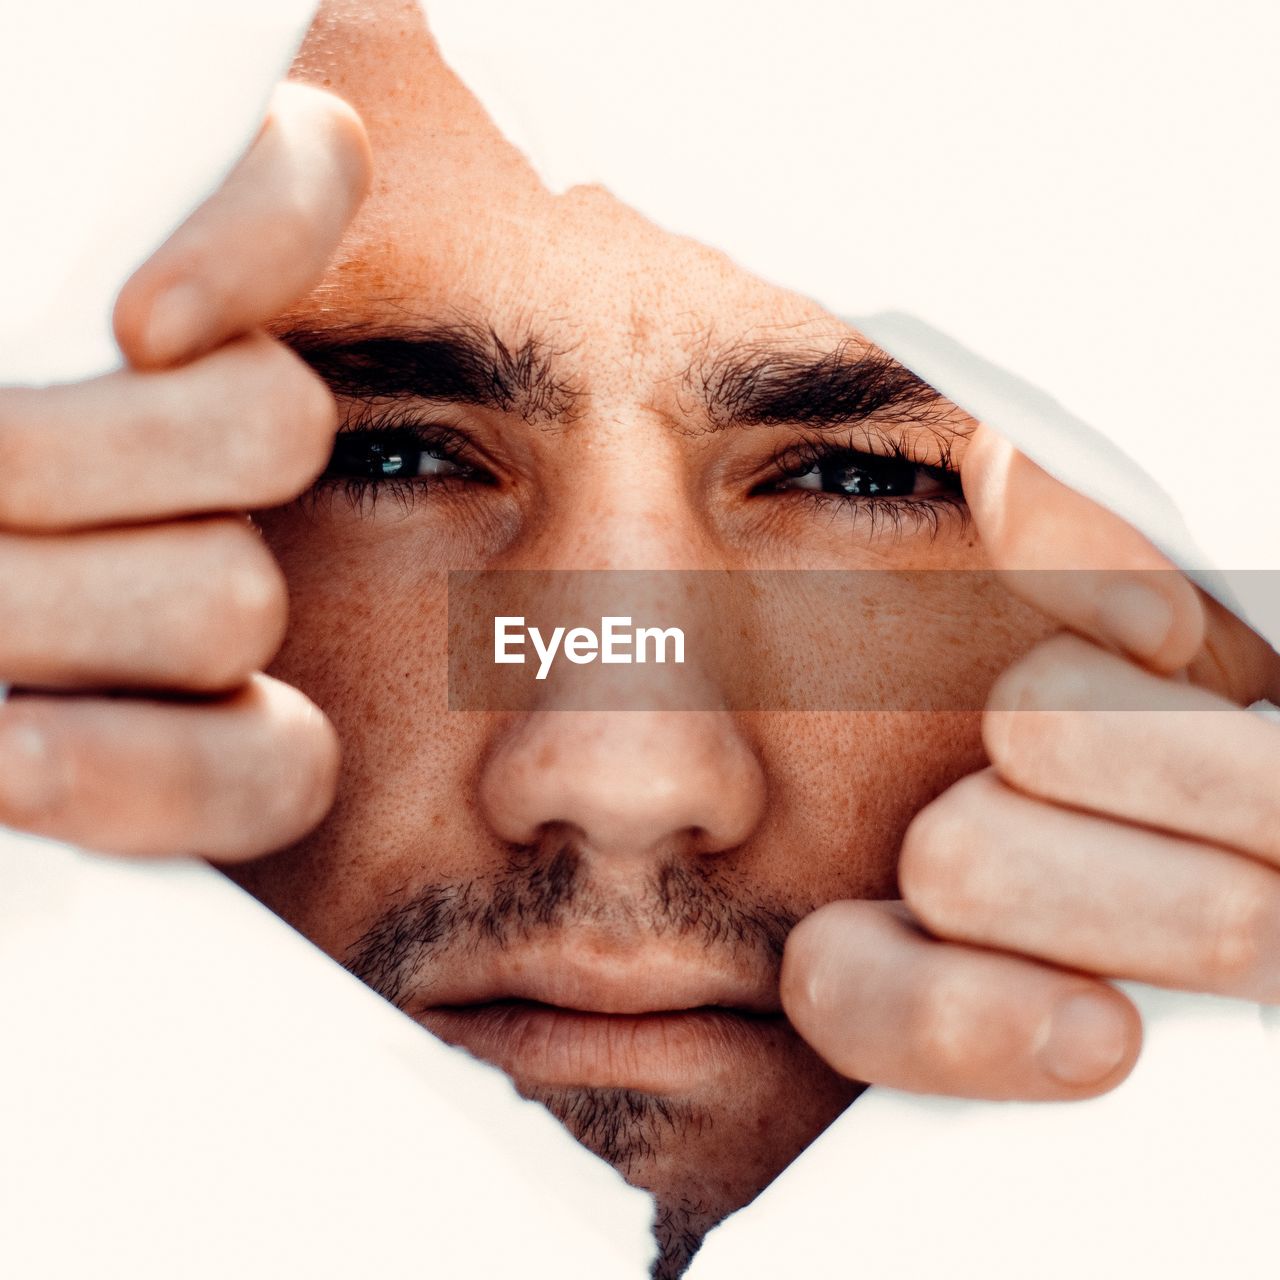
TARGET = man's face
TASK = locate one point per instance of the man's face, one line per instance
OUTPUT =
(597, 900)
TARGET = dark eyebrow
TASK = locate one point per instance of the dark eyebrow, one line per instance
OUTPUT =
(458, 363)
(759, 384)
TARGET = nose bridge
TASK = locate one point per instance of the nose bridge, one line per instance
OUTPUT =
(620, 536)
(628, 785)
(612, 639)
(673, 773)
(623, 496)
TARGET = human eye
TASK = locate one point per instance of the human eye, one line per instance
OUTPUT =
(405, 459)
(882, 475)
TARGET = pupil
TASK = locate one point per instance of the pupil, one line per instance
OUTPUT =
(887, 477)
(387, 460)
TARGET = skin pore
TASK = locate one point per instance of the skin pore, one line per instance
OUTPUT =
(534, 382)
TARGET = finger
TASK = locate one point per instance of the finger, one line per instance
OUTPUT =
(246, 426)
(259, 243)
(1077, 562)
(881, 1002)
(1073, 725)
(1235, 661)
(196, 606)
(228, 779)
(990, 867)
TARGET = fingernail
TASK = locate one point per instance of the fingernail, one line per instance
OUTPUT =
(178, 323)
(1136, 616)
(1086, 1040)
(30, 781)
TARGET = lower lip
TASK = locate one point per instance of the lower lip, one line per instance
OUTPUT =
(652, 1052)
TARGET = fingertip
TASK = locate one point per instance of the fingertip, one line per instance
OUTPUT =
(129, 320)
(173, 329)
(1078, 561)
(1189, 632)
(258, 243)
(320, 114)
(813, 986)
(1155, 617)
(1090, 1041)
(166, 312)
(804, 984)
(843, 970)
(352, 146)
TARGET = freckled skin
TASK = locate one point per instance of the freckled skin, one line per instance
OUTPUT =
(458, 223)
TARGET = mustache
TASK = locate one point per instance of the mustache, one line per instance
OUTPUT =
(540, 893)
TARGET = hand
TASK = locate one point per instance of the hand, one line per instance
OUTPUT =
(1103, 841)
(119, 567)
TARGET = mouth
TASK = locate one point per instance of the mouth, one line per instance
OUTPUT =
(667, 1052)
(662, 1026)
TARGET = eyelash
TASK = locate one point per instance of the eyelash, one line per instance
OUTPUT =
(904, 514)
(871, 445)
(434, 439)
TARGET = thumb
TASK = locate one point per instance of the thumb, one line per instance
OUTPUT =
(1077, 562)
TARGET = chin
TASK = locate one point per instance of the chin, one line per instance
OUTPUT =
(705, 1154)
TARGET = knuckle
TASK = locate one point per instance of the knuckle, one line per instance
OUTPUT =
(24, 479)
(284, 430)
(288, 775)
(1241, 937)
(1056, 675)
(242, 621)
(36, 769)
(191, 797)
(1036, 723)
(939, 869)
(307, 416)
(309, 775)
(941, 1029)
(1028, 748)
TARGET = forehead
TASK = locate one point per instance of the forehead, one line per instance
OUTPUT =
(458, 224)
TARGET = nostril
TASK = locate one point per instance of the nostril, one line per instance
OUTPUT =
(553, 839)
(624, 784)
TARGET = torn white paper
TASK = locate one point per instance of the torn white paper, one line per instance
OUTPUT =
(1063, 217)
(119, 119)
(1172, 1176)
(1029, 184)
(187, 1087)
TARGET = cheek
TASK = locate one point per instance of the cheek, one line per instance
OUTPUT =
(844, 785)
(843, 788)
(367, 642)
(876, 640)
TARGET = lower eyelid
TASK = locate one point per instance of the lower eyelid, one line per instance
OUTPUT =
(907, 515)
(363, 494)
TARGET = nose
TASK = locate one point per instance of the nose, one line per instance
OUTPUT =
(628, 786)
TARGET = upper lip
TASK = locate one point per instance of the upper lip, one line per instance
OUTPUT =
(639, 980)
